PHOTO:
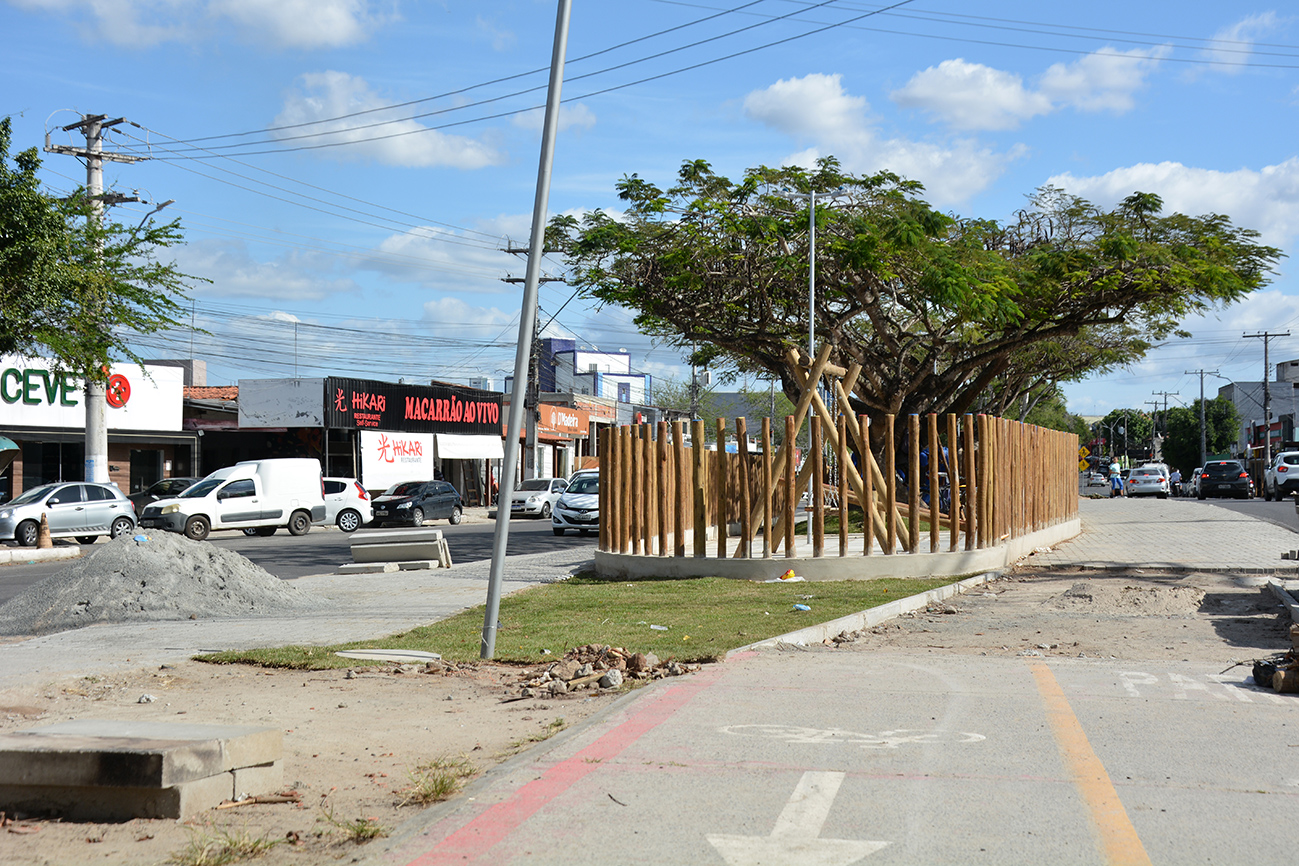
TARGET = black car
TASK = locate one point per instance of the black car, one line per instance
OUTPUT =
(164, 489)
(410, 503)
(1225, 478)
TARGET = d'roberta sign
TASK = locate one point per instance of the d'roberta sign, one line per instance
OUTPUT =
(369, 405)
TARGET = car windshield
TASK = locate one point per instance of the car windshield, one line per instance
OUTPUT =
(535, 484)
(33, 495)
(203, 488)
(405, 488)
(585, 484)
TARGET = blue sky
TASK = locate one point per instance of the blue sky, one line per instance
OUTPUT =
(375, 252)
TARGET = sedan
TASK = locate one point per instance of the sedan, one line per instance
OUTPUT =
(1148, 481)
(1224, 478)
(579, 507)
(164, 489)
(537, 496)
(410, 503)
(80, 510)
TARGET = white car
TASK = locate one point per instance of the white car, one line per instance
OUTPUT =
(579, 507)
(1282, 477)
(537, 496)
(347, 505)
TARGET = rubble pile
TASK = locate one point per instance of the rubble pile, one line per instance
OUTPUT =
(596, 666)
(1281, 673)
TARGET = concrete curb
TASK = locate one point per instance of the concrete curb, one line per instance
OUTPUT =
(1283, 595)
(29, 554)
(868, 618)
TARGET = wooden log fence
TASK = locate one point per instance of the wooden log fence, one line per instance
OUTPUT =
(994, 480)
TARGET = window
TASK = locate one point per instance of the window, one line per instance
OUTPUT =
(334, 486)
(98, 494)
(66, 495)
(238, 489)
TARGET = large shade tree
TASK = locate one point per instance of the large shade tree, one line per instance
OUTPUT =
(944, 313)
(74, 288)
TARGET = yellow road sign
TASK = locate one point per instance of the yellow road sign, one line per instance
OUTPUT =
(1083, 453)
(1082, 465)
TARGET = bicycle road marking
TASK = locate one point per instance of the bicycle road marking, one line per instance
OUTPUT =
(882, 740)
(1115, 834)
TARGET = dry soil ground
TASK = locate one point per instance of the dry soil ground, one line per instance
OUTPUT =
(351, 743)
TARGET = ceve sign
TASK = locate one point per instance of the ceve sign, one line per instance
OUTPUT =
(32, 394)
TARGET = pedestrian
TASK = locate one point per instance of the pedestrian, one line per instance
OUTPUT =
(1116, 478)
(1175, 482)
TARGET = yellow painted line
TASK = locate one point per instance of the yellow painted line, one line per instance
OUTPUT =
(1114, 832)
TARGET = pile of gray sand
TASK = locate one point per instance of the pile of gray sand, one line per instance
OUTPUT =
(1096, 597)
(145, 577)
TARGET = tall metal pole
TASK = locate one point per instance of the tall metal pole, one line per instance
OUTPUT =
(1267, 396)
(527, 325)
(1204, 449)
(812, 483)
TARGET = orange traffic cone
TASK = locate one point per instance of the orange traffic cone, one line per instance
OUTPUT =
(43, 534)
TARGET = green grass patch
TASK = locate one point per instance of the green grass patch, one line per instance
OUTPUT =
(702, 619)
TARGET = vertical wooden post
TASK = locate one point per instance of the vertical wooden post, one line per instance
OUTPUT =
(890, 486)
(913, 482)
(971, 485)
(664, 466)
(635, 491)
(624, 490)
(681, 514)
(650, 523)
(868, 479)
(745, 549)
(841, 455)
(790, 495)
(723, 495)
(985, 482)
(953, 483)
(935, 455)
(607, 464)
(816, 514)
(699, 488)
(767, 521)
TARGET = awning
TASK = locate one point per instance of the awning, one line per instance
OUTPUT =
(456, 446)
(7, 444)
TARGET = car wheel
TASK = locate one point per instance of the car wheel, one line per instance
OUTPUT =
(1162, 495)
(120, 527)
(558, 530)
(545, 510)
(264, 531)
(86, 539)
(299, 523)
(1267, 493)
(27, 532)
(417, 516)
(1199, 495)
(348, 520)
(584, 532)
(252, 531)
(197, 528)
(457, 515)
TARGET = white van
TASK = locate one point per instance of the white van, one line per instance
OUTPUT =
(255, 494)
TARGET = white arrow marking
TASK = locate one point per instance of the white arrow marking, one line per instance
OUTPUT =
(794, 841)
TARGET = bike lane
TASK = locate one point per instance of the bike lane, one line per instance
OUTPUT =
(890, 757)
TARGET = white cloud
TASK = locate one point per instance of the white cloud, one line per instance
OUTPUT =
(1265, 199)
(570, 117)
(502, 40)
(235, 273)
(816, 108)
(973, 96)
(445, 260)
(283, 23)
(408, 143)
(1103, 81)
(1235, 44)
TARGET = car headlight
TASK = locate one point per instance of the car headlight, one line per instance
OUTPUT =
(533, 498)
(169, 509)
(404, 505)
(5, 515)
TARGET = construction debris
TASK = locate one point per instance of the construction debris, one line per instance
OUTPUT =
(596, 666)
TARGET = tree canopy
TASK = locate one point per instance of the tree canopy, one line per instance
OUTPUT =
(73, 288)
(1182, 439)
(944, 313)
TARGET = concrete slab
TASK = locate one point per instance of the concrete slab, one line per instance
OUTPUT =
(395, 545)
(367, 568)
(418, 565)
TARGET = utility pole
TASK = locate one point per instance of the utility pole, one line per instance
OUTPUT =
(1267, 395)
(1165, 395)
(1204, 449)
(1154, 427)
(93, 125)
(531, 448)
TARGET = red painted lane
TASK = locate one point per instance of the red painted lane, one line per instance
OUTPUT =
(496, 823)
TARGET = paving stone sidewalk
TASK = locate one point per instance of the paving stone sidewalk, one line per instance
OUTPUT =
(1182, 535)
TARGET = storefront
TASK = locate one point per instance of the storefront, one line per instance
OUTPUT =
(43, 412)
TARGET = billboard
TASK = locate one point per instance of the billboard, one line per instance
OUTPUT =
(389, 458)
(369, 405)
(32, 394)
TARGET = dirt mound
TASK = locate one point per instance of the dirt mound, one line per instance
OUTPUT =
(149, 577)
(1111, 600)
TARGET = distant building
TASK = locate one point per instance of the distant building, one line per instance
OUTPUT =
(1247, 397)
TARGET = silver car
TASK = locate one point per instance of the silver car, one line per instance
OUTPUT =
(579, 507)
(1148, 481)
(80, 510)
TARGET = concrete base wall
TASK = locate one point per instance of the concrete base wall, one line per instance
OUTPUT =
(834, 567)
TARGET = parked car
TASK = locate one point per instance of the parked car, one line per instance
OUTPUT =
(347, 505)
(1224, 478)
(579, 507)
(80, 510)
(1148, 481)
(261, 495)
(410, 503)
(1281, 478)
(164, 489)
(537, 496)
(1192, 483)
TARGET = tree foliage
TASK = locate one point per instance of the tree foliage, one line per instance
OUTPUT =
(73, 288)
(943, 313)
(1182, 441)
(1125, 430)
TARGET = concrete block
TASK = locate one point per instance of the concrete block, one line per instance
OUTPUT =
(264, 779)
(418, 565)
(366, 568)
(80, 803)
(395, 545)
